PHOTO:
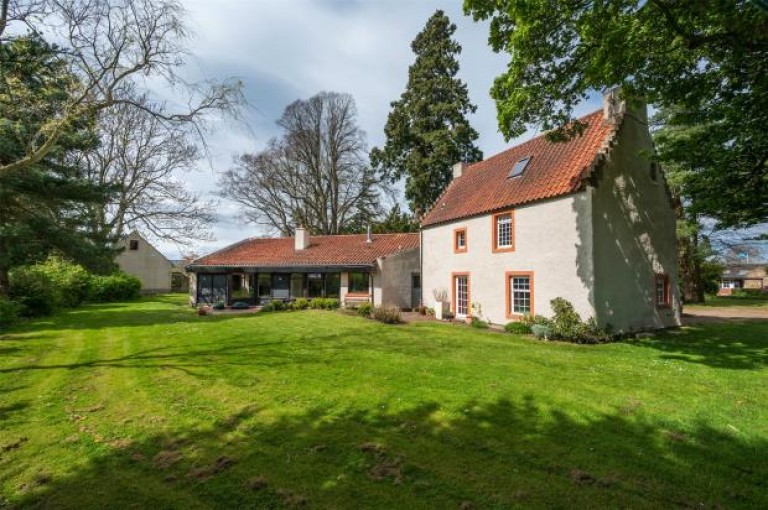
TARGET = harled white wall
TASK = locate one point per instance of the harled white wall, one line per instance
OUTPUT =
(552, 239)
(635, 236)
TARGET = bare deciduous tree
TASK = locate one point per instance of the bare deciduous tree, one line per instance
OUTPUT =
(114, 48)
(316, 174)
(141, 158)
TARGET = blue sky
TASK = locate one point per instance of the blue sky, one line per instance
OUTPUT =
(284, 50)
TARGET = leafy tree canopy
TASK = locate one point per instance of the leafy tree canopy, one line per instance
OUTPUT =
(427, 130)
(42, 206)
(704, 62)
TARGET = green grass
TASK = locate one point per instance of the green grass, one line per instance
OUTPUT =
(146, 405)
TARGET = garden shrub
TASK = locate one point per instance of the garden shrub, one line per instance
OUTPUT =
(747, 293)
(567, 325)
(33, 290)
(69, 281)
(316, 303)
(540, 331)
(332, 304)
(530, 320)
(518, 328)
(115, 287)
(278, 306)
(365, 309)
(387, 314)
(9, 312)
(301, 304)
(477, 322)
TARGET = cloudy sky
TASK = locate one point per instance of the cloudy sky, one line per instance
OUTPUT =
(283, 50)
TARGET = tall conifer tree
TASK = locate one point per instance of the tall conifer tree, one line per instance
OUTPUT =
(427, 130)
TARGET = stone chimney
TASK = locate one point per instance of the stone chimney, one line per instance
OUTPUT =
(458, 169)
(301, 239)
(369, 238)
(614, 106)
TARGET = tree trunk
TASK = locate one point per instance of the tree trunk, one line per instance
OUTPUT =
(690, 263)
(5, 283)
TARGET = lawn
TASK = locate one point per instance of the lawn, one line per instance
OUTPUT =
(147, 405)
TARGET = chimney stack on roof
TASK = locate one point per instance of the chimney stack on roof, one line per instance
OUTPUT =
(614, 106)
(369, 239)
(301, 239)
(458, 169)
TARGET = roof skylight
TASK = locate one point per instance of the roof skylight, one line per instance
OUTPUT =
(519, 167)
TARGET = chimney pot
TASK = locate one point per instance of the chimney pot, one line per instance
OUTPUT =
(301, 239)
(458, 169)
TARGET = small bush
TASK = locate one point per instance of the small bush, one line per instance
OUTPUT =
(567, 325)
(33, 291)
(540, 331)
(301, 304)
(449, 316)
(324, 303)
(267, 307)
(69, 281)
(219, 305)
(278, 306)
(517, 328)
(387, 314)
(747, 293)
(114, 287)
(364, 310)
(9, 312)
(530, 320)
(477, 322)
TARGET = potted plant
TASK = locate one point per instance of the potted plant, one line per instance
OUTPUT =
(441, 303)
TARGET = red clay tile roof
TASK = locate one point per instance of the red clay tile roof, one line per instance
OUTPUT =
(338, 250)
(555, 169)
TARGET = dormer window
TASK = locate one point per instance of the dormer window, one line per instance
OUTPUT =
(519, 167)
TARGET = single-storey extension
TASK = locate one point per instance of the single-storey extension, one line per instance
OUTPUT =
(382, 269)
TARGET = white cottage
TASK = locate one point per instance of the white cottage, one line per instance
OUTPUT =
(589, 220)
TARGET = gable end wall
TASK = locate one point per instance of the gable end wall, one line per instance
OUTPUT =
(634, 228)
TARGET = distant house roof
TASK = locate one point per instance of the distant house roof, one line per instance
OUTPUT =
(335, 250)
(748, 271)
(552, 169)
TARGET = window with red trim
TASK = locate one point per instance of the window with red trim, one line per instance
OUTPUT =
(661, 290)
(503, 231)
(460, 240)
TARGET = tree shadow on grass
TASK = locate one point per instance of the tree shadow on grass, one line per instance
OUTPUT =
(740, 346)
(150, 311)
(193, 360)
(484, 455)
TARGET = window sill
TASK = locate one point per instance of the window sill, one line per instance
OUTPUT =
(506, 249)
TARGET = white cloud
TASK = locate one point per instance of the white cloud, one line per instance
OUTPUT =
(289, 49)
